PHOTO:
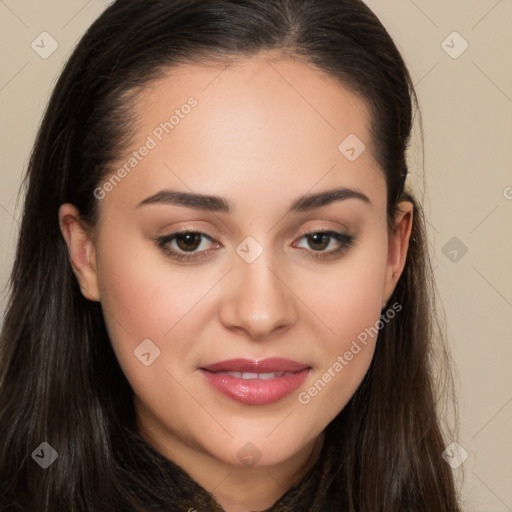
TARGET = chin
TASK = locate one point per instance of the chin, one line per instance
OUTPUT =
(259, 451)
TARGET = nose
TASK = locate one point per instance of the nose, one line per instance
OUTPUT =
(259, 302)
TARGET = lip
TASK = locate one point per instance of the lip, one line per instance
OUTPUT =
(255, 391)
(273, 364)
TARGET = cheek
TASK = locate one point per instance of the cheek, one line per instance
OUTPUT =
(141, 296)
(347, 303)
(346, 297)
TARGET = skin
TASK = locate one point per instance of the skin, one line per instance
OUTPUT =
(265, 131)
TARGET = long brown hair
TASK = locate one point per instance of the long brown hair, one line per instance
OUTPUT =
(60, 381)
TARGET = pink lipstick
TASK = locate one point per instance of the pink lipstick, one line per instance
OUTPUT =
(256, 382)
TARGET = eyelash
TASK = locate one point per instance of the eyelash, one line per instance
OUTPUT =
(345, 240)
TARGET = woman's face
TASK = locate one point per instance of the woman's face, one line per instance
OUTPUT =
(242, 342)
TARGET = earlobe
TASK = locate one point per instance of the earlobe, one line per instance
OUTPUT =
(81, 250)
(398, 247)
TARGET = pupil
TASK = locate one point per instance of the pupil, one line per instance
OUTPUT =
(191, 241)
(317, 239)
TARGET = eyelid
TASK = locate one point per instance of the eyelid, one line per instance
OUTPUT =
(185, 230)
(163, 241)
(347, 241)
(314, 228)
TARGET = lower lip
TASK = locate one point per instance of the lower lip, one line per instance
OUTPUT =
(256, 391)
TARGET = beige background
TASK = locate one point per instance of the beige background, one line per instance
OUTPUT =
(467, 114)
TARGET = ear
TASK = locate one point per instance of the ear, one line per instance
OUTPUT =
(82, 251)
(397, 248)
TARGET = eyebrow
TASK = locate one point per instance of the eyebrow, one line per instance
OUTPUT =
(219, 204)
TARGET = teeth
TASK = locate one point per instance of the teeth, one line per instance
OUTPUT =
(267, 376)
(251, 375)
(238, 375)
(248, 375)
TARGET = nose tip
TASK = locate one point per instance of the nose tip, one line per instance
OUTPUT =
(257, 304)
(260, 325)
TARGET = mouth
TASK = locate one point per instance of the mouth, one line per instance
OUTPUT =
(256, 382)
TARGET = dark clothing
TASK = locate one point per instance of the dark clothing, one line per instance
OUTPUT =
(180, 493)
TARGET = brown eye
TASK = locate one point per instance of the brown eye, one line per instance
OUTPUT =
(188, 241)
(327, 244)
(319, 241)
(187, 245)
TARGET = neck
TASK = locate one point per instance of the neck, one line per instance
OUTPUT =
(236, 489)
(259, 488)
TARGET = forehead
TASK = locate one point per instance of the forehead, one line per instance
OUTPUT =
(259, 123)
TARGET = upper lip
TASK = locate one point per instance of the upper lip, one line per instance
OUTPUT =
(273, 364)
